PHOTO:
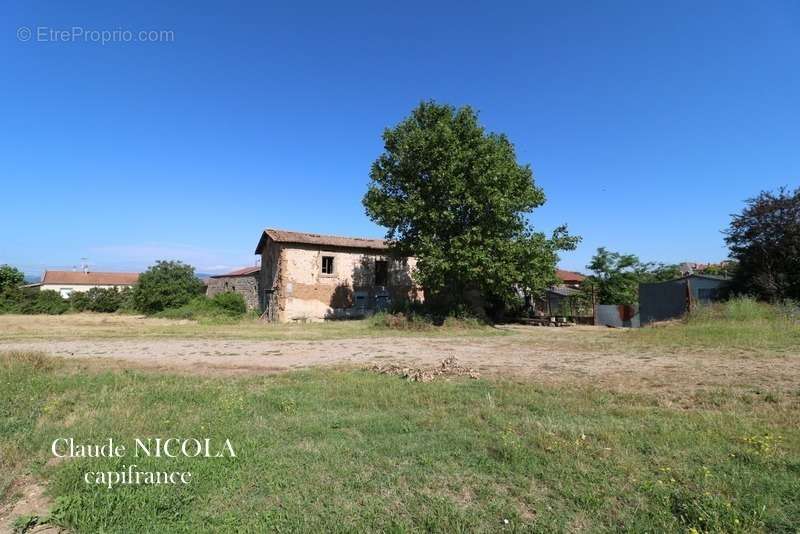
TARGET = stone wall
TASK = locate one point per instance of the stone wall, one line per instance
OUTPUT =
(247, 286)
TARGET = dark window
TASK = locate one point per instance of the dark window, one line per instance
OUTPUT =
(381, 272)
(327, 264)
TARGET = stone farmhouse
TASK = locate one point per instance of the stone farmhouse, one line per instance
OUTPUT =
(312, 277)
(243, 281)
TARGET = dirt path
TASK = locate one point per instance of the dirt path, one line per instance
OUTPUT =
(512, 356)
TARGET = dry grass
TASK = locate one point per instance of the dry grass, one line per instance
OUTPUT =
(113, 326)
(692, 425)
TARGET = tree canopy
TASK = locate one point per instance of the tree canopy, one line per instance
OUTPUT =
(10, 277)
(167, 284)
(616, 277)
(765, 241)
(455, 197)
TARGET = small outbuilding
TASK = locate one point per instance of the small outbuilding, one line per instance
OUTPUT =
(243, 281)
(662, 301)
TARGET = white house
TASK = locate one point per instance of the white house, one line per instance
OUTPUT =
(65, 282)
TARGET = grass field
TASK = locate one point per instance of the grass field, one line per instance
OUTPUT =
(740, 324)
(343, 449)
(121, 326)
(351, 450)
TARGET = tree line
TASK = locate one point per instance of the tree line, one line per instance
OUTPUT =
(168, 288)
(764, 256)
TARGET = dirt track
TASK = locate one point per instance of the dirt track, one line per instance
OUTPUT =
(511, 356)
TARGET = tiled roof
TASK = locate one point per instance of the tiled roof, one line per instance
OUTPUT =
(90, 278)
(244, 271)
(569, 277)
(285, 236)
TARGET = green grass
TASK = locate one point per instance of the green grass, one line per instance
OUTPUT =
(336, 451)
(741, 324)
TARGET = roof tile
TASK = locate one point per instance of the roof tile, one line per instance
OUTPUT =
(90, 278)
(303, 238)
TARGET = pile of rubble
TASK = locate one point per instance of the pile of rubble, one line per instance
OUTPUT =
(446, 368)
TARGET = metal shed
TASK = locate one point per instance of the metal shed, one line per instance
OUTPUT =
(661, 301)
(559, 302)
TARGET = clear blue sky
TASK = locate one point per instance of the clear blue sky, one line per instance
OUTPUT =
(646, 123)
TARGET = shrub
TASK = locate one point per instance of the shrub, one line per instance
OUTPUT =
(400, 321)
(417, 316)
(79, 301)
(225, 308)
(167, 284)
(463, 322)
(46, 302)
(103, 300)
(230, 303)
(127, 304)
(11, 300)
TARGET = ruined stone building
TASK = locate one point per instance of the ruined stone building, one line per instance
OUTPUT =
(311, 277)
(243, 281)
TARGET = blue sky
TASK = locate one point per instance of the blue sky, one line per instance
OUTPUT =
(646, 123)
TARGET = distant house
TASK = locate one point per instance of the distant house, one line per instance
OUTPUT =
(66, 282)
(570, 278)
(661, 301)
(561, 299)
(314, 277)
(243, 281)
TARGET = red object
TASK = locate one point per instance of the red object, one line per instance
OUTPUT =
(569, 277)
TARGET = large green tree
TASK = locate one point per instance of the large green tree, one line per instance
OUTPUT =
(765, 241)
(167, 284)
(10, 277)
(454, 196)
(11, 295)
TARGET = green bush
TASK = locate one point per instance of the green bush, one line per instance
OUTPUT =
(167, 284)
(230, 303)
(46, 302)
(127, 304)
(400, 321)
(11, 300)
(103, 300)
(224, 306)
(80, 301)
